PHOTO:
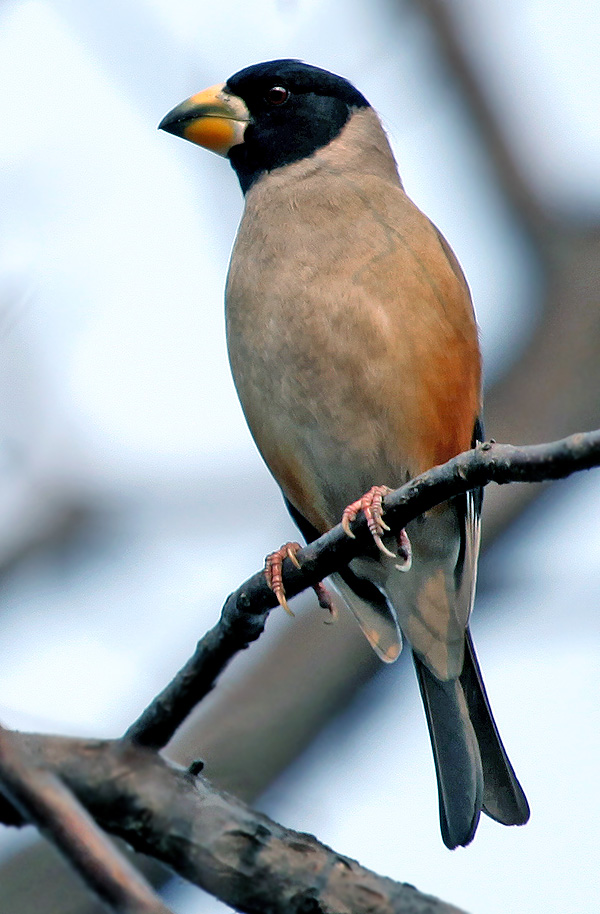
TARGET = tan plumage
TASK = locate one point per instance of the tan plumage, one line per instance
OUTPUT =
(350, 285)
(354, 351)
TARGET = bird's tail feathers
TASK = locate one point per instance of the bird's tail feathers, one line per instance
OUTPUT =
(503, 797)
(472, 768)
(458, 764)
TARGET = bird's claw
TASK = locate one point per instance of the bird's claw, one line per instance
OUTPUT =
(371, 504)
(273, 566)
(404, 556)
(273, 574)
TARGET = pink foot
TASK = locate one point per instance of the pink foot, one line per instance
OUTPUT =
(273, 566)
(371, 504)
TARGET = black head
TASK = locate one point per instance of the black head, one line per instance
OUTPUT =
(295, 109)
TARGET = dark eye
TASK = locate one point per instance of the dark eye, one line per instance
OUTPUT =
(277, 95)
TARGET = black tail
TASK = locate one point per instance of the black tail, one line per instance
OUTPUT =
(456, 755)
(472, 768)
(503, 797)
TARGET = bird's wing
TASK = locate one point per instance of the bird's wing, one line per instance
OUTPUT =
(373, 613)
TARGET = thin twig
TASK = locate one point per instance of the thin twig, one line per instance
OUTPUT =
(245, 611)
(44, 800)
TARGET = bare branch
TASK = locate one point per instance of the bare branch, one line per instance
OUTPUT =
(242, 621)
(245, 611)
(215, 840)
(210, 838)
(42, 798)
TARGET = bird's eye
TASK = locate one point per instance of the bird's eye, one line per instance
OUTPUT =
(277, 95)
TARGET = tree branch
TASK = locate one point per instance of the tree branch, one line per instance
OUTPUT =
(245, 611)
(210, 838)
(215, 840)
(41, 798)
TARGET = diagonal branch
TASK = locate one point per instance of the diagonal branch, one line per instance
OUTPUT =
(245, 611)
(41, 798)
(212, 839)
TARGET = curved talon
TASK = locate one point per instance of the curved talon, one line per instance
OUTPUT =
(273, 565)
(281, 599)
(371, 504)
(273, 574)
(291, 553)
(382, 547)
(348, 516)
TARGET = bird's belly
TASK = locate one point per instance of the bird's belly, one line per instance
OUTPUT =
(346, 364)
(319, 420)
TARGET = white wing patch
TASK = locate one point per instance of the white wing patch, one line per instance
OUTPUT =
(472, 544)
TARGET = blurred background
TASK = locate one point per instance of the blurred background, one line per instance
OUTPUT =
(132, 500)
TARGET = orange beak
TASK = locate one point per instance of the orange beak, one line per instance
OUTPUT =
(214, 118)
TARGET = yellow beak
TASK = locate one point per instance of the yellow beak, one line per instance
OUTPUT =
(213, 118)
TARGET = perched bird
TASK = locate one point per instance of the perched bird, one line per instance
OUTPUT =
(354, 351)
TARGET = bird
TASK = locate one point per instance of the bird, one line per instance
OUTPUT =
(354, 351)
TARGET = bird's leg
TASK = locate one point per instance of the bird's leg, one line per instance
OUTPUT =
(371, 504)
(273, 566)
